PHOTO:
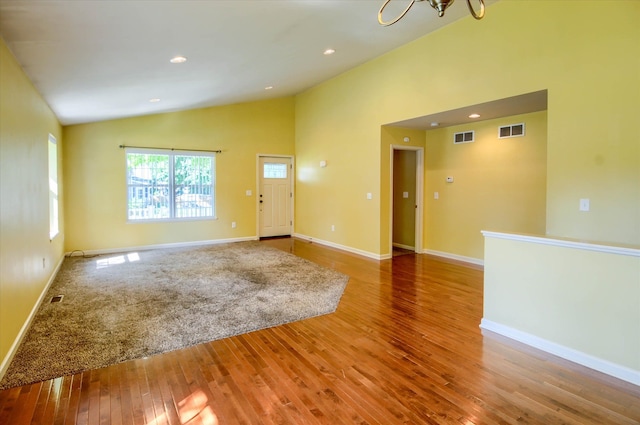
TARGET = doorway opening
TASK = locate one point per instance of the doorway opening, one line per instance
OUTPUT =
(275, 196)
(406, 200)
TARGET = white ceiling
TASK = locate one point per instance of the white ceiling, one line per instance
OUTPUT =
(95, 60)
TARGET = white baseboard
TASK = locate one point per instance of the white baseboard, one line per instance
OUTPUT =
(399, 245)
(621, 372)
(343, 247)
(166, 245)
(27, 323)
(462, 258)
(387, 256)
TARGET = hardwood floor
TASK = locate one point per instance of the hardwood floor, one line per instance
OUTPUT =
(403, 346)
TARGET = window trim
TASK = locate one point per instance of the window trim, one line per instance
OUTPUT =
(171, 153)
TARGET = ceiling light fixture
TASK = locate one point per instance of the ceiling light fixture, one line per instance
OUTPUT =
(268, 87)
(329, 52)
(439, 5)
(154, 100)
(474, 116)
(178, 59)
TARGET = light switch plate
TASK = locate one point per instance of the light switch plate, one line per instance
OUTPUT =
(585, 204)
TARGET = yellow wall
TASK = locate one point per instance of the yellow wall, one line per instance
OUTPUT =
(25, 124)
(333, 126)
(591, 73)
(392, 137)
(95, 171)
(499, 184)
(578, 298)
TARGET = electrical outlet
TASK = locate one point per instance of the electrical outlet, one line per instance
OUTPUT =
(233, 224)
(333, 228)
(436, 195)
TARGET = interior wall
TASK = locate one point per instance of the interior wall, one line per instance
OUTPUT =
(394, 136)
(499, 184)
(573, 299)
(590, 72)
(95, 171)
(404, 211)
(27, 257)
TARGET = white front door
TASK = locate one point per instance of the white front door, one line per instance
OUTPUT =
(275, 196)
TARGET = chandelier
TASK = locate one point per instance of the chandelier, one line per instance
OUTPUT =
(439, 5)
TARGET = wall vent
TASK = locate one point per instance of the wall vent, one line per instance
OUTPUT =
(513, 130)
(464, 137)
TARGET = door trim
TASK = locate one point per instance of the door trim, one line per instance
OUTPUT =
(419, 194)
(291, 184)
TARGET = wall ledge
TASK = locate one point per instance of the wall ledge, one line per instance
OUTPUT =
(566, 243)
(604, 366)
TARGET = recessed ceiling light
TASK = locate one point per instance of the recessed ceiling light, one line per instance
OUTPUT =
(178, 59)
(268, 87)
(474, 116)
(435, 124)
(154, 100)
(329, 52)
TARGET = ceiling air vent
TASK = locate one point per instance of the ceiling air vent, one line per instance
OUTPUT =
(463, 137)
(513, 130)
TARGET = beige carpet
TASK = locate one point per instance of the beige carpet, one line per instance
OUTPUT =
(125, 306)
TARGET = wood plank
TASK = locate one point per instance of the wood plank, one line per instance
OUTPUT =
(403, 346)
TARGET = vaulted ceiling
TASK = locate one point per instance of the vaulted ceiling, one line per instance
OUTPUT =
(95, 60)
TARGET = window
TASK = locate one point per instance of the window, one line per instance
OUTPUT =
(54, 217)
(166, 186)
(275, 170)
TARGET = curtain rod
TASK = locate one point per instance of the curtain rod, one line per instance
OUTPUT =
(169, 149)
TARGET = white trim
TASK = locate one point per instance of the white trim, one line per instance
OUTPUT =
(471, 260)
(604, 366)
(564, 243)
(399, 245)
(419, 196)
(27, 323)
(166, 245)
(343, 247)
